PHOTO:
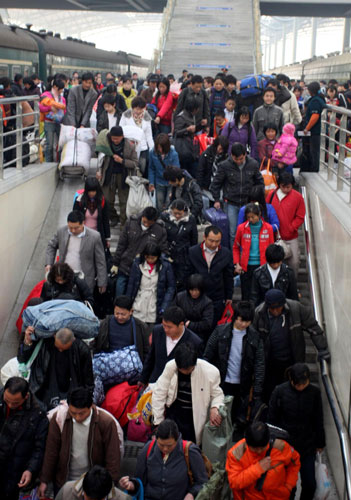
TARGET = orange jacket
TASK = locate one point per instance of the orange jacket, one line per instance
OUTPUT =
(244, 470)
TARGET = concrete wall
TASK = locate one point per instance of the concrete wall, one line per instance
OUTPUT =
(24, 201)
(331, 223)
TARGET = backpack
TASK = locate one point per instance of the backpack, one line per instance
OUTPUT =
(121, 400)
(186, 446)
(253, 85)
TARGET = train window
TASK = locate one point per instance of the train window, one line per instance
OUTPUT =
(4, 70)
(15, 70)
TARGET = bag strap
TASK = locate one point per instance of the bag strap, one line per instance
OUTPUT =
(34, 353)
(134, 331)
(161, 161)
(186, 446)
(151, 445)
(261, 480)
(272, 196)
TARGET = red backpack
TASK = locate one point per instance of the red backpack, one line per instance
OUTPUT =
(121, 400)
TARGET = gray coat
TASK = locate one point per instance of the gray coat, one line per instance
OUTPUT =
(267, 114)
(78, 108)
(91, 253)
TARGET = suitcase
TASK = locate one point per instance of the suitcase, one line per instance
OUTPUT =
(253, 85)
(220, 219)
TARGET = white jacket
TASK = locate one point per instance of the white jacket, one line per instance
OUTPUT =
(146, 141)
(205, 390)
(291, 111)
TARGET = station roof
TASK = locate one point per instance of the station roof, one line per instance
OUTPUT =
(87, 5)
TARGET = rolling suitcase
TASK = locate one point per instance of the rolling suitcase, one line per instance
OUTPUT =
(220, 219)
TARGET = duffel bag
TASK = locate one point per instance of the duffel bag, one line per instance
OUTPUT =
(48, 317)
(138, 197)
(118, 366)
(253, 85)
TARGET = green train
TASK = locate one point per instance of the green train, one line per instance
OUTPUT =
(27, 52)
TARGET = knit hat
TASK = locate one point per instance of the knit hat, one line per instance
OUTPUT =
(274, 297)
(116, 131)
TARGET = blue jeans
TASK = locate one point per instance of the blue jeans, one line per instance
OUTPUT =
(163, 129)
(232, 212)
(51, 129)
(121, 283)
(162, 197)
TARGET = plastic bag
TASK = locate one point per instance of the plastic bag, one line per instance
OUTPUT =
(76, 154)
(138, 197)
(69, 133)
(216, 441)
(322, 479)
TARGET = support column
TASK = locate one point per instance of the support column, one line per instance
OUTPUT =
(257, 35)
(269, 52)
(295, 31)
(275, 48)
(346, 37)
(283, 44)
(314, 36)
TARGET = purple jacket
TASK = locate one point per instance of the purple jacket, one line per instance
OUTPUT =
(234, 134)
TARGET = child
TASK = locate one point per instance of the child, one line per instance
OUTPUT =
(110, 116)
(219, 122)
(229, 112)
(249, 249)
(217, 97)
(284, 152)
(151, 285)
(266, 146)
(231, 82)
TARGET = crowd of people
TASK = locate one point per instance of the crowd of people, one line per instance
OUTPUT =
(166, 294)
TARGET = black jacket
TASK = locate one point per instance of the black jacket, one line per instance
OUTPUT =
(102, 342)
(252, 362)
(157, 358)
(120, 105)
(299, 319)
(82, 375)
(103, 223)
(22, 442)
(102, 121)
(219, 278)
(205, 166)
(80, 291)
(198, 311)
(180, 238)
(166, 285)
(183, 139)
(203, 112)
(301, 414)
(262, 282)
(235, 182)
(191, 194)
(133, 241)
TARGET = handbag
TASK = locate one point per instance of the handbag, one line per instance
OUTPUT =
(322, 479)
(118, 366)
(270, 182)
(15, 369)
(285, 246)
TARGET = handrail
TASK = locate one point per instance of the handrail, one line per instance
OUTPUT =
(334, 130)
(11, 141)
(325, 372)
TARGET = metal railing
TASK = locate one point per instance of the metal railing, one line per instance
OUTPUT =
(335, 154)
(341, 428)
(14, 130)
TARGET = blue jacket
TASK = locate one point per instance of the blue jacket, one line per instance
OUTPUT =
(271, 213)
(166, 285)
(156, 168)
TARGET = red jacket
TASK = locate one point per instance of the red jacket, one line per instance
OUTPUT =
(165, 108)
(244, 470)
(243, 241)
(291, 213)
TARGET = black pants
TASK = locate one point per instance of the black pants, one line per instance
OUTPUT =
(233, 390)
(275, 375)
(312, 148)
(246, 280)
(218, 308)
